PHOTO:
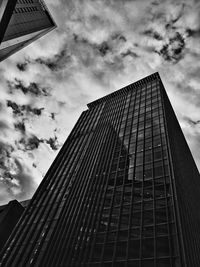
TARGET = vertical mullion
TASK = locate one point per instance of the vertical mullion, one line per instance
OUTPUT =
(123, 185)
(121, 110)
(69, 200)
(142, 198)
(79, 189)
(115, 121)
(144, 140)
(103, 188)
(49, 210)
(95, 194)
(154, 182)
(133, 179)
(61, 183)
(27, 228)
(17, 235)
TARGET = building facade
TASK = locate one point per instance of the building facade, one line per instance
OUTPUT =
(123, 191)
(9, 216)
(22, 22)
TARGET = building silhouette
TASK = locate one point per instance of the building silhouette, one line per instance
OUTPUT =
(124, 190)
(21, 23)
(9, 216)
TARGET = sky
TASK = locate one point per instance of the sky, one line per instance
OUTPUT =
(98, 47)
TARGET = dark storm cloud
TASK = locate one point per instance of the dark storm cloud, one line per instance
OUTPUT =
(29, 143)
(53, 142)
(34, 165)
(119, 37)
(173, 50)
(56, 62)
(129, 53)
(193, 33)
(52, 115)
(20, 126)
(23, 66)
(192, 122)
(22, 110)
(16, 109)
(103, 48)
(33, 88)
(5, 153)
(80, 39)
(153, 34)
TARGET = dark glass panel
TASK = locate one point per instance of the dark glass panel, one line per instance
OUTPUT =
(148, 217)
(97, 252)
(163, 263)
(133, 263)
(148, 263)
(148, 231)
(161, 216)
(147, 248)
(121, 250)
(162, 244)
(108, 251)
(134, 249)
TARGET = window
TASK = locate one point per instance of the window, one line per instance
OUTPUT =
(134, 250)
(139, 159)
(148, 173)
(148, 144)
(162, 246)
(161, 216)
(121, 250)
(148, 231)
(147, 248)
(139, 173)
(157, 153)
(158, 169)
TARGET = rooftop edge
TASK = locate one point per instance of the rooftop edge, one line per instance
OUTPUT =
(125, 89)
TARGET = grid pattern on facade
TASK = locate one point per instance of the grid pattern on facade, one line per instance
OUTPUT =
(22, 22)
(27, 18)
(108, 199)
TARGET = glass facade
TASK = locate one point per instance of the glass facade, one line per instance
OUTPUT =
(27, 20)
(110, 197)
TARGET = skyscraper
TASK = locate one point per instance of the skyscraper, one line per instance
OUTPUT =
(22, 22)
(123, 191)
(9, 216)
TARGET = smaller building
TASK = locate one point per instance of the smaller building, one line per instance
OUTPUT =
(9, 216)
(21, 23)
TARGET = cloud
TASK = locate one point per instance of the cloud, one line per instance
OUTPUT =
(173, 50)
(15, 182)
(23, 66)
(29, 143)
(24, 110)
(153, 34)
(20, 126)
(53, 142)
(56, 62)
(33, 88)
(192, 122)
(129, 53)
